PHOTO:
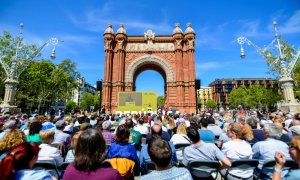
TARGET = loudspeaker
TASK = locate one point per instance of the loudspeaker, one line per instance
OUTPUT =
(99, 85)
(197, 83)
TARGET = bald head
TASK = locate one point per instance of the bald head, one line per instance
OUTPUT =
(156, 129)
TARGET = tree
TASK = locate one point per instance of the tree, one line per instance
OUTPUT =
(97, 100)
(71, 105)
(161, 101)
(238, 96)
(87, 100)
(210, 104)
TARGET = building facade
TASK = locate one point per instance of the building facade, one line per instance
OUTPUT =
(81, 89)
(220, 88)
(204, 94)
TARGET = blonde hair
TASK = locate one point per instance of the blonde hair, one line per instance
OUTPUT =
(241, 131)
(47, 136)
(181, 129)
(11, 139)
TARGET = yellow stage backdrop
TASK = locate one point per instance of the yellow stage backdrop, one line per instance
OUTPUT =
(137, 101)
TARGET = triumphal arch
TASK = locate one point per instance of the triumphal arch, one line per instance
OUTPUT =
(170, 55)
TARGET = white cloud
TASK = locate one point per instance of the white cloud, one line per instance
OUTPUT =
(208, 66)
(292, 25)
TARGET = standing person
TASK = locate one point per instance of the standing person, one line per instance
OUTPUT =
(160, 153)
(88, 159)
(19, 162)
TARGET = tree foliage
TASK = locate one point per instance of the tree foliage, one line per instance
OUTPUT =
(211, 104)
(71, 105)
(254, 97)
(161, 101)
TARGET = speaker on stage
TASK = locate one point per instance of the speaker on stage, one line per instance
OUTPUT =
(99, 85)
(197, 83)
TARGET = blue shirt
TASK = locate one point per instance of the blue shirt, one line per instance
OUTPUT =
(171, 174)
(293, 174)
(207, 135)
(265, 151)
(145, 158)
(32, 174)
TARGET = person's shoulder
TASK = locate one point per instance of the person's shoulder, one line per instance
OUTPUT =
(33, 174)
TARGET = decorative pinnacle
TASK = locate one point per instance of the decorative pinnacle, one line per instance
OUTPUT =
(274, 23)
(176, 24)
(110, 25)
(122, 25)
(188, 24)
(21, 25)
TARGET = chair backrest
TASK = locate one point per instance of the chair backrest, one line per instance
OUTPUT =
(49, 165)
(203, 169)
(244, 164)
(181, 146)
(270, 166)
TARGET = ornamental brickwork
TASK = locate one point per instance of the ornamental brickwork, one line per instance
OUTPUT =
(171, 56)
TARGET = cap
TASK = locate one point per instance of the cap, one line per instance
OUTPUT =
(60, 123)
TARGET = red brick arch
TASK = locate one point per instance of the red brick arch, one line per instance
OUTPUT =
(171, 56)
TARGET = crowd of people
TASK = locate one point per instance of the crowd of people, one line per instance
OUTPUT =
(114, 146)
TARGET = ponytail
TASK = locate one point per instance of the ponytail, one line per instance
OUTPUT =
(18, 158)
(241, 131)
(247, 132)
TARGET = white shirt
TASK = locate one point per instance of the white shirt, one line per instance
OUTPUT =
(236, 150)
(47, 152)
(141, 128)
(180, 139)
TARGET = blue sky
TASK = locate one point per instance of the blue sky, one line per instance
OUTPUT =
(217, 24)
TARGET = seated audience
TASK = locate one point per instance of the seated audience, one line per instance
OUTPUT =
(11, 139)
(135, 137)
(180, 138)
(140, 127)
(265, 150)
(238, 149)
(294, 151)
(34, 129)
(19, 162)
(160, 153)
(145, 158)
(48, 152)
(106, 133)
(61, 137)
(89, 155)
(258, 134)
(121, 154)
(71, 153)
(213, 127)
(9, 125)
(205, 134)
(202, 151)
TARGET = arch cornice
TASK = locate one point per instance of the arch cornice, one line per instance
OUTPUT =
(148, 59)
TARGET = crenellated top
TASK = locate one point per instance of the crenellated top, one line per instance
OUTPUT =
(177, 29)
(189, 29)
(121, 30)
(109, 30)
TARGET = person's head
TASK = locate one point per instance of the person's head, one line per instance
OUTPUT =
(20, 157)
(75, 139)
(141, 120)
(204, 122)
(12, 123)
(159, 151)
(122, 134)
(181, 129)
(238, 131)
(294, 149)
(272, 130)
(47, 136)
(11, 139)
(35, 127)
(129, 123)
(156, 129)
(211, 120)
(60, 124)
(193, 134)
(106, 125)
(252, 122)
(89, 151)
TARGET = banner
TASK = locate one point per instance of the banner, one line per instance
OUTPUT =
(137, 101)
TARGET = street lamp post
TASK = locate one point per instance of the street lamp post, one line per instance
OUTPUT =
(18, 64)
(286, 68)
